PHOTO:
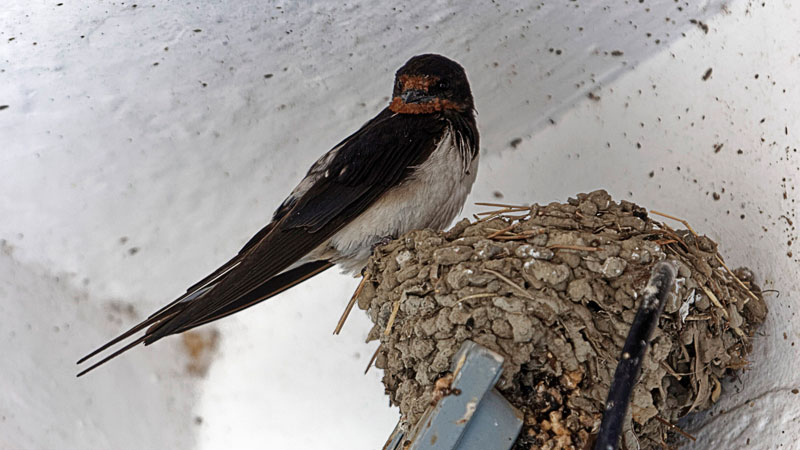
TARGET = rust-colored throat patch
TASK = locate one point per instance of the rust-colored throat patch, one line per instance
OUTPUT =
(421, 83)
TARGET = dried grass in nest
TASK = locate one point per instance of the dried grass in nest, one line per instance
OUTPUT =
(554, 290)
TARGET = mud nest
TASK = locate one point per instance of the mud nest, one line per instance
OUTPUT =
(554, 290)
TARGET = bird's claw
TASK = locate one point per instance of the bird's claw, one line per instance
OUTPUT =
(383, 241)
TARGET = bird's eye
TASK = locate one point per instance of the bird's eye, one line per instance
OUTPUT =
(443, 84)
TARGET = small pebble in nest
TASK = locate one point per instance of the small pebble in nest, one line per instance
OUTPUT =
(554, 289)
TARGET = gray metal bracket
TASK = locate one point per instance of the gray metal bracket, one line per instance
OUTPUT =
(474, 417)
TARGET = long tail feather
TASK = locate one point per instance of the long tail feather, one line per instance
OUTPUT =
(177, 309)
(113, 355)
(121, 337)
(271, 288)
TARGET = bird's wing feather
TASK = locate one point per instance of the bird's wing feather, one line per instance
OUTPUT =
(272, 287)
(363, 167)
(376, 158)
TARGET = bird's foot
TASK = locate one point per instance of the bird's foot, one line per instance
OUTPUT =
(383, 241)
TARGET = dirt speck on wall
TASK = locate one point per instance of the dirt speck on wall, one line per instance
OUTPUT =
(200, 347)
(554, 289)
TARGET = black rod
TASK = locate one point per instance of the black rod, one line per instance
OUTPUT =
(654, 296)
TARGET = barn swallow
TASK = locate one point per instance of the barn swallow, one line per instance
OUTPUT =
(410, 167)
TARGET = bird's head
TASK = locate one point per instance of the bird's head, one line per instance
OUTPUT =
(431, 83)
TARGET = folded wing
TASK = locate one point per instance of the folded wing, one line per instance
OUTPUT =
(363, 167)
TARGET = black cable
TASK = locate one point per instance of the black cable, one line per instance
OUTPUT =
(630, 363)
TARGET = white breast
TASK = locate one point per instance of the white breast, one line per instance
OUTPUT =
(430, 198)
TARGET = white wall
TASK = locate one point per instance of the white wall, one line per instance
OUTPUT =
(99, 143)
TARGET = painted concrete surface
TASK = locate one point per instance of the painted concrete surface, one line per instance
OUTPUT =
(143, 144)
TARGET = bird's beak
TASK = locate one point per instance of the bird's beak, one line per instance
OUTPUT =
(416, 96)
